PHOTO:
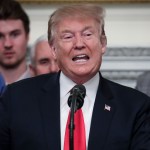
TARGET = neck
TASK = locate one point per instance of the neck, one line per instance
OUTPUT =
(82, 80)
(12, 74)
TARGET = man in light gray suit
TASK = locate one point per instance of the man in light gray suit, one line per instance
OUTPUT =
(143, 83)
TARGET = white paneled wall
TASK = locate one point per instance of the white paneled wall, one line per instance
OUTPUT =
(127, 25)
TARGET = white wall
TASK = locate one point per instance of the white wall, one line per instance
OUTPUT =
(127, 25)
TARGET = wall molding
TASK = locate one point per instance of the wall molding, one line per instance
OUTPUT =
(128, 51)
(77, 1)
(125, 64)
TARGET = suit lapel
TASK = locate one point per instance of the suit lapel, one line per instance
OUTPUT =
(101, 118)
(49, 103)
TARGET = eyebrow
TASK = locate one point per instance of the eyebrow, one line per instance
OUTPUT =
(44, 58)
(86, 28)
(68, 31)
(10, 32)
(16, 30)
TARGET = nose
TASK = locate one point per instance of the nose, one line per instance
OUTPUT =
(7, 43)
(79, 42)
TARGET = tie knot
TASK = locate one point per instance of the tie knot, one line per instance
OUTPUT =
(77, 94)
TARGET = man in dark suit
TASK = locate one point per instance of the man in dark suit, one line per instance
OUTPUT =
(33, 112)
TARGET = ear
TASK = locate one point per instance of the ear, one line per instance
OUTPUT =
(54, 51)
(32, 70)
(103, 40)
(28, 37)
(51, 44)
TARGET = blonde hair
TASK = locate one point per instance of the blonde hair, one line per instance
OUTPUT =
(78, 11)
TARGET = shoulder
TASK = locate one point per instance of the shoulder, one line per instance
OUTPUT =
(1, 79)
(126, 94)
(144, 76)
(2, 84)
(143, 82)
(30, 84)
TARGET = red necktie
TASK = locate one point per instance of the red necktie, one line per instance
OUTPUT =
(79, 132)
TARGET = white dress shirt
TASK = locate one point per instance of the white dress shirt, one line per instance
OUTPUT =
(91, 89)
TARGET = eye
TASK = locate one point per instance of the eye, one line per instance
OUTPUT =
(44, 61)
(67, 37)
(1, 36)
(15, 33)
(87, 34)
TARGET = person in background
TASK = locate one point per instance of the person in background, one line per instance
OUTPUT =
(2, 85)
(14, 36)
(143, 83)
(112, 117)
(42, 59)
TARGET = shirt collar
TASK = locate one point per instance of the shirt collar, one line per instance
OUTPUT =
(92, 86)
(67, 84)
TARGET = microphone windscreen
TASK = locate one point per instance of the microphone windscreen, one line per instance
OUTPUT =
(80, 91)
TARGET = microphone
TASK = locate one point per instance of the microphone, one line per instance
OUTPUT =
(75, 102)
(77, 94)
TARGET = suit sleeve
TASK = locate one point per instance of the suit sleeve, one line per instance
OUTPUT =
(141, 132)
(4, 122)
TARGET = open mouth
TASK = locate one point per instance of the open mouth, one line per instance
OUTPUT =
(80, 58)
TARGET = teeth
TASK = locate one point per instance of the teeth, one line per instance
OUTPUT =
(80, 60)
(80, 56)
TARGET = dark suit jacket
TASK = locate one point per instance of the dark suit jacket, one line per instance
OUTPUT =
(30, 116)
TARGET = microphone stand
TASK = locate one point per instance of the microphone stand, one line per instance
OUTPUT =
(72, 126)
(75, 101)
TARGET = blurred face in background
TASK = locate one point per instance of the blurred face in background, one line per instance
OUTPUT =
(44, 61)
(13, 43)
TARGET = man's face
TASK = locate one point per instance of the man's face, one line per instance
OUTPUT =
(13, 43)
(78, 48)
(44, 59)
